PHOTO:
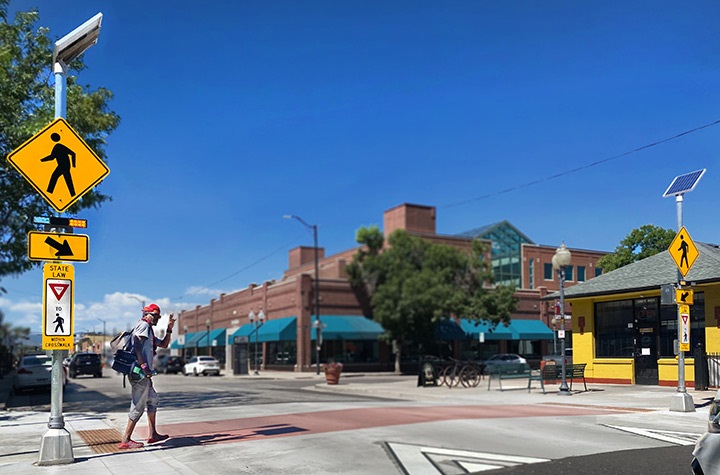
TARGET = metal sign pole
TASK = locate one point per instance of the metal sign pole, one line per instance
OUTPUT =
(56, 443)
(681, 401)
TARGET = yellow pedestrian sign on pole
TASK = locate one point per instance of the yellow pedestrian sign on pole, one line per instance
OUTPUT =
(683, 251)
(59, 164)
(58, 311)
(58, 247)
(684, 296)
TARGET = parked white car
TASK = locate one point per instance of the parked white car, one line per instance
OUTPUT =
(35, 372)
(707, 448)
(202, 365)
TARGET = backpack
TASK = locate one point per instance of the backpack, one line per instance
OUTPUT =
(123, 353)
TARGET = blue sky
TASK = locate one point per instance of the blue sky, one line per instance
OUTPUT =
(235, 113)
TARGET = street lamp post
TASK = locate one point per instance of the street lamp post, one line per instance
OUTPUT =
(102, 351)
(207, 335)
(317, 324)
(142, 302)
(257, 322)
(185, 329)
(560, 260)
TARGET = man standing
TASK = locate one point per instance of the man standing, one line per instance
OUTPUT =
(144, 397)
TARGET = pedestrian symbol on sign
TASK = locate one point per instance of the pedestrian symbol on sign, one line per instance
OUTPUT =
(59, 320)
(64, 157)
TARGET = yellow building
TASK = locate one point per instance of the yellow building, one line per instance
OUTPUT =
(625, 331)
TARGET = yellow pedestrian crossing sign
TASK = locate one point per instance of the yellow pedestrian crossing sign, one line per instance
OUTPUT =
(683, 251)
(59, 164)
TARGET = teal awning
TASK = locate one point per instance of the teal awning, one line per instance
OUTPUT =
(516, 330)
(348, 327)
(215, 338)
(176, 345)
(531, 330)
(281, 329)
(474, 328)
(245, 330)
(191, 339)
(448, 330)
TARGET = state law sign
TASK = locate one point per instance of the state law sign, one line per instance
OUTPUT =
(58, 311)
(59, 164)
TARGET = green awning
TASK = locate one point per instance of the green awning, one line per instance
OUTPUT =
(348, 327)
(216, 338)
(516, 330)
(191, 339)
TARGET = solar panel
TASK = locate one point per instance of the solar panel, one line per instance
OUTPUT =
(684, 183)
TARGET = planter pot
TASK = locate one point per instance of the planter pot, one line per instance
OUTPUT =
(332, 376)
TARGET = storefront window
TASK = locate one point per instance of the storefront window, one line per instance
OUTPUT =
(614, 327)
(617, 324)
(668, 330)
(352, 351)
(281, 353)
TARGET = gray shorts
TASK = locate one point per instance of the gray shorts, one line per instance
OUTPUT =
(143, 397)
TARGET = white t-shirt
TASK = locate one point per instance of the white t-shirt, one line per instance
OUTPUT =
(144, 336)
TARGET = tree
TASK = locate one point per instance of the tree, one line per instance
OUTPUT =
(26, 106)
(643, 242)
(9, 338)
(412, 284)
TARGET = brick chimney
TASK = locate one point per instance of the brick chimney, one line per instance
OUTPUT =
(410, 217)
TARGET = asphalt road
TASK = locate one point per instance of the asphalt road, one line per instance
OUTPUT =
(658, 461)
(176, 391)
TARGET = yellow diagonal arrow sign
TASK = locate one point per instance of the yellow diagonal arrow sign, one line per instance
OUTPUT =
(58, 247)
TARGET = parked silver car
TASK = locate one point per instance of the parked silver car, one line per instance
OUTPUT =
(503, 359)
(707, 448)
(35, 372)
(558, 359)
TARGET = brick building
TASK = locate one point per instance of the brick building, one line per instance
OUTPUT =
(285, 338)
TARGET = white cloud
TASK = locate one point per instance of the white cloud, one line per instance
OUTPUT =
(119, 310)
(197, 290)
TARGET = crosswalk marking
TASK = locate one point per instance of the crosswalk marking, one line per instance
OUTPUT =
(673, 437)
(423, 460)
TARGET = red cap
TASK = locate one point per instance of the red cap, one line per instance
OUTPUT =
(152, 308)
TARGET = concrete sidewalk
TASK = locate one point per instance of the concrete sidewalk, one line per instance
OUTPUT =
(21, 432)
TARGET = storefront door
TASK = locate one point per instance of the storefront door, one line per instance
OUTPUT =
(646, 345)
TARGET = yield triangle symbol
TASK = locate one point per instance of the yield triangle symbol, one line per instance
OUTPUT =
(58, 289)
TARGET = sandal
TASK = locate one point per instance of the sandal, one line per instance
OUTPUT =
(130, 444)
(157, 438)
